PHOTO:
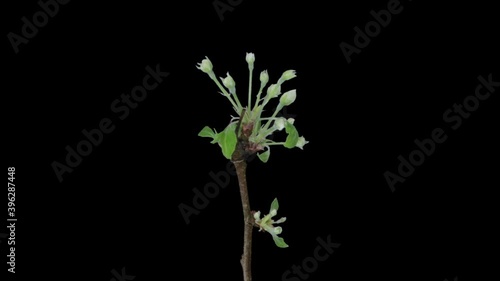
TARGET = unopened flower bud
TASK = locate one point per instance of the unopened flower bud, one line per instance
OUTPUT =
(205, 65)
(250, 60)
(229, 81)
(287, 75)
(288, 97)
(273, 91)
(264, 77)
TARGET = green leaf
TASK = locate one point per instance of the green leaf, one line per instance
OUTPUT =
(275, 205)
(216, 138)
(207, 132)
(279, 242)
(264, 156)
(227, 140)
(293, 135)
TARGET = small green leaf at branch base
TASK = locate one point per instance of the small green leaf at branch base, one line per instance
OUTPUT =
(227, 140)
(207, 132)
(264, 156)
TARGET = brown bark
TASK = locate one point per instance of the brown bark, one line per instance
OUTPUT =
(239, 160)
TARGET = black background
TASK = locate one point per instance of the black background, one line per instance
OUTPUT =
(120, 206)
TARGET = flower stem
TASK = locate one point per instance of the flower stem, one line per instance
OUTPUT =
(249, 106)
(237, 106)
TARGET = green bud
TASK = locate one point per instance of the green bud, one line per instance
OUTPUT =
(288, 97)
(273, 91)
(250, 60)
(205, 65)
(287, 75)
(228, 81)
(264, 77)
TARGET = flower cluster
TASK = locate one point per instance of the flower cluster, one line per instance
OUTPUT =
(267, 224)
(256, 129)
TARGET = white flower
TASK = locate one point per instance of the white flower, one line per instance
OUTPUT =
(267, 224)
